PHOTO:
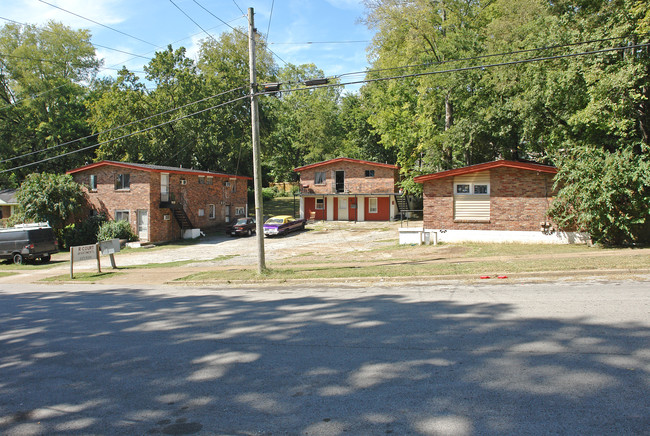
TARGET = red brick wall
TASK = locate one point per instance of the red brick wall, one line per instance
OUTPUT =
(355, 180)
(518, 201)
(144, 193)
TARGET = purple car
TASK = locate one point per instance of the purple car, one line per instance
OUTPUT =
(283, 224)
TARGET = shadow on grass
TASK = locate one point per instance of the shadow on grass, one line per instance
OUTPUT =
(127, 361)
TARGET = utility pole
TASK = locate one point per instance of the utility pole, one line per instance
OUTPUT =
(255, 122)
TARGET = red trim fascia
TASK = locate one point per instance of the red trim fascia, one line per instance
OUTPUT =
(345, 159)
(486, 166)
(154, 170)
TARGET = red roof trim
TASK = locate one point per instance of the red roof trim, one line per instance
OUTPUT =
(486, 166)
(155, 170)
(344, 159)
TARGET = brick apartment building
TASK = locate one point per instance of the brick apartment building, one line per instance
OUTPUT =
(346, 189)
(509, 199)
(162, 202)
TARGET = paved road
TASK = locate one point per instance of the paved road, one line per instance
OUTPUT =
(551, 358)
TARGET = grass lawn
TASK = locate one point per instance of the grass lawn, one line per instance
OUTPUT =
(465, 259)
(281, 206)
(81, 277)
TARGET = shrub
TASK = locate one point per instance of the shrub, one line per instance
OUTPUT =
(116, 230)
(269, 193)
(83, 233)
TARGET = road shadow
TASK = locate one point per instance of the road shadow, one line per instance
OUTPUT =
(129, 361)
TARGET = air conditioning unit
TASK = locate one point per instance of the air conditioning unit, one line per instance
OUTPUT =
(183, 182)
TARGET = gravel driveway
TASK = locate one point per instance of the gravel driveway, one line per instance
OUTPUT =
(325, 238)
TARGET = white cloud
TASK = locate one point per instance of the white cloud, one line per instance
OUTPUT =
(108, 12)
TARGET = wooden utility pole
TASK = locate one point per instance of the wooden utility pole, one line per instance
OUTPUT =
(255, 122)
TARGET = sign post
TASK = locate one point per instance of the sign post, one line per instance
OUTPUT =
(110, 247)
(84, 252)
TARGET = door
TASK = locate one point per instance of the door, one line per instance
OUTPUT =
(164, 188)
(352, 212)
(143, 225)
(340, 181)
(343, 209)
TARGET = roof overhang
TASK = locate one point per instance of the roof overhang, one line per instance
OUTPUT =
(182, 171)
(345, 159)
(487, 166)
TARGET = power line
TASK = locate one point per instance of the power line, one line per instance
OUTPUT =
(320, 42)
(127, 135)
(122, 126)
(454, 70)
(268, 29)
(192, 20)
(428, 64)
(99, 24)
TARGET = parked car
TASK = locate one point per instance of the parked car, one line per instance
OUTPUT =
(283, 224)
(28, 242)
(243, 226)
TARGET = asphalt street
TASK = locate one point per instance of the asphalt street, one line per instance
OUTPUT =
(429, 359)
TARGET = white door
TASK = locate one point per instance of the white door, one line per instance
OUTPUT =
(143, 225)
(343, 209)
(164, 188)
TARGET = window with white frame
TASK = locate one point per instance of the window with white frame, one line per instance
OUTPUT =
(472, 188)
(208, 180)
(122, 182)
(212, 211)
(240, 211)
(201, 212)
(372, 205)
(319, 178)
(122, 215)
(320, 203)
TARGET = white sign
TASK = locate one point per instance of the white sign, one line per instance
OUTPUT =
(84, 252)
(111, 246)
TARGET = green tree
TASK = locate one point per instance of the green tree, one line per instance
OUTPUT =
(43, 72)
(54, 198)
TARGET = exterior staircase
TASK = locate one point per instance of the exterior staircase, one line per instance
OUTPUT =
(182, 218)
(402, 203)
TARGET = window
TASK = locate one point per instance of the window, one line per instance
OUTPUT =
(212, 211)
(480, 189)
(122, 181)
(201, 212)
(472, 188)
(167, 217)
(239, 211)
(372, 205)
(370, 173)
(122, 215)
(320, 204)
(319, 178)
(183, 181)
(93, 182)
(201, 180)
(208, 181)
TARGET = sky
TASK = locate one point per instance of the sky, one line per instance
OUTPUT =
(327, 33)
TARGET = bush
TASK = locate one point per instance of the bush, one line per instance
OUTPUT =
(269, 193)
(116, 230)
(83, 233)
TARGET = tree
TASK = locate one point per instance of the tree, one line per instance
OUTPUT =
(43, 73)
(54, 198)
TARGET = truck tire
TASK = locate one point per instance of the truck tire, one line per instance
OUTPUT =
(18, 259)
(46, 258)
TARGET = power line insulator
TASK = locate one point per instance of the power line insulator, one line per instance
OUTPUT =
(271, 87)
